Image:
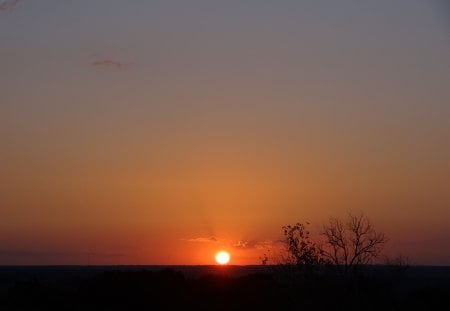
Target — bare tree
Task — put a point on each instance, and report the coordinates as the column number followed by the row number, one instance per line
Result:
column 351, row 243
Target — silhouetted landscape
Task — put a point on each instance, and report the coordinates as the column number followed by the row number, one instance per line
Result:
column 221, row 288
column 224, row 155
column 337, row 272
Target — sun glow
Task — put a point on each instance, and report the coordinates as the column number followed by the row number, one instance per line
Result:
column 223, row 258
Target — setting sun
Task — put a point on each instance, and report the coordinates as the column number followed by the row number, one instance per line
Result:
column 223, row 258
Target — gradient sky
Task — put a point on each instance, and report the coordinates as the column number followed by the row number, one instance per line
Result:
column 157, row 132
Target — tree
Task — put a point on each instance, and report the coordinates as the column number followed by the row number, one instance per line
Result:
column 351, row 243
column 301, row 250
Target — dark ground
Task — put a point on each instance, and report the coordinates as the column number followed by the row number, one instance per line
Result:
column 221, row 288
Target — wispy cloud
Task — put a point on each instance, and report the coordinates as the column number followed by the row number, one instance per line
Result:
column 109, row 63
column 7, row 253
column 203, row 240
column 257, row 244
column 241, row 244
column 246, row 244
column 8, row 5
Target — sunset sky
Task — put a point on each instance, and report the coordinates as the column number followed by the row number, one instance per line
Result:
column 159, row 132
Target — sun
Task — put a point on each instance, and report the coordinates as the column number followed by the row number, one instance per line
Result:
column 222, row 257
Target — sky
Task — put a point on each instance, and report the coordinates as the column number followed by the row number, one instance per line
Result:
column 159, row 132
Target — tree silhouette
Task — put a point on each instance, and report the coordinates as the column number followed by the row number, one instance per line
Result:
column 302, row 251
column 352, row 242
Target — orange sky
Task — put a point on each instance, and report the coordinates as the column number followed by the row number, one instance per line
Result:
column 159, row 133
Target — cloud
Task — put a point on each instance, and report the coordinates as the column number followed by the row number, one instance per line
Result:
column 246, row 244
column 7, row 253
column 241, row 244
column 203, row 240
column 108, row 63
column 255, row 244
column 8, row 5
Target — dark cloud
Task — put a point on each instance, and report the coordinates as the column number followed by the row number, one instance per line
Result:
column 8, row 5
column 108, row 63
